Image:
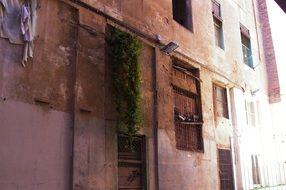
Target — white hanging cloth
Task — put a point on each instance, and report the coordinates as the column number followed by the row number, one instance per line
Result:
column 17, row 24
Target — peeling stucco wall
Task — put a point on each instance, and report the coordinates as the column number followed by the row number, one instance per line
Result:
column 70, row 71
column 36, row 106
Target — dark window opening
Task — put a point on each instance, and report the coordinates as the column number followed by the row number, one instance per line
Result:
column 255, row 169
column 182, row 13
column 187, row 110
column 218, row 29
column 225, row 169
column 246, row 46
column 220, row 102
column 131, row 163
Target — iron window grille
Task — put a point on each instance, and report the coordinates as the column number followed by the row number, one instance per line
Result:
column 225, row 169
column 188, row 137
column 187, row 113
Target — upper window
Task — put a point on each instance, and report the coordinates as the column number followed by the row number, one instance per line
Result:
column 216, row 10
column 250, row 113
column 246, row 46
column 187, row 110
column 220, row 101
column 182, row 13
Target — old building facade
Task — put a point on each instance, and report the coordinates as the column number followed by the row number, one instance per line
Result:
column 58, row 128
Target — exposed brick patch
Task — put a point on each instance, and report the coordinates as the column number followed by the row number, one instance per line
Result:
column 269, row 54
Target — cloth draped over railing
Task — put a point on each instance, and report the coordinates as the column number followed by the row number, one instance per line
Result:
column 17, row 24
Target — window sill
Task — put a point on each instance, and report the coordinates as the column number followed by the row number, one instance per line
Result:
column 130, row 161
column 220, row 49
column 190, row 122
column 248, row 68
column 190, row 29
column 191, row 150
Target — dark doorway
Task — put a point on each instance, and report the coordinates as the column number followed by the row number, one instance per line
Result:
column 131, row 164
column 225, row 169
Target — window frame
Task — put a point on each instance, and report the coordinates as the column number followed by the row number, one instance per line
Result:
column 188, row 16
column 218, row 24
column 186, row 128
column 250, row 108
column 225, row 113
column 216, row 14
column 246, row 46
column 222, row 164
column 218, row 33
column 128, row 158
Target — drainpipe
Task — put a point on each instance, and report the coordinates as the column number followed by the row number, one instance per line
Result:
column 156, row 115
column 74, row 107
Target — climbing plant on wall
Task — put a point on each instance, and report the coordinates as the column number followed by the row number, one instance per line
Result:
column 125, row 74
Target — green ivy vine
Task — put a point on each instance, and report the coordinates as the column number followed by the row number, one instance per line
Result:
column 125, row 78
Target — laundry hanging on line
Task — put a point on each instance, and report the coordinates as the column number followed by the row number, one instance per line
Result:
column 17, row 24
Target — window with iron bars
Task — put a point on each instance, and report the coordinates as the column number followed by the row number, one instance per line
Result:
column 246, row 46
column 225, row 169
column 187, row 113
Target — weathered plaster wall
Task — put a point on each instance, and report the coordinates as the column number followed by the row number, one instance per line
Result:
column 216, row 65
column 95, row 146
column 65, row 90
column 70, row 71
column 155, row 17
column 183, row 166
column 36, row 136
column 49, row 76
column 89, row 137
column 35, row 147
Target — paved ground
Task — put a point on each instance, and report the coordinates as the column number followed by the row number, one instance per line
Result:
column 283, row 187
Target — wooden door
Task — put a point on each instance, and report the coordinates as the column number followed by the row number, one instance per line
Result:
column 225, row 169
column 131, row 164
